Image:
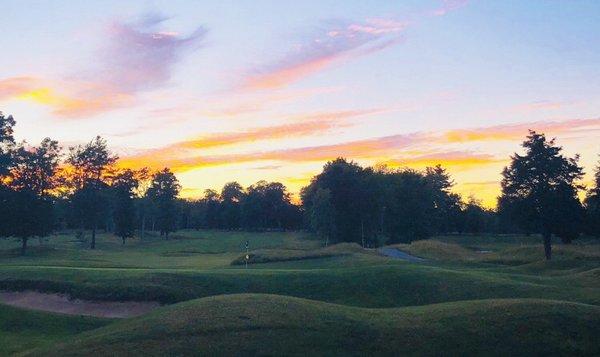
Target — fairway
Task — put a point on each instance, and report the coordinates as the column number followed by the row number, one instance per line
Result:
column 456, row 299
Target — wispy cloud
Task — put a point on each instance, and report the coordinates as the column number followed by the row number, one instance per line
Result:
column 302, row 125
column 517, row 131
column 414, row 149
column 448, row 6
column 455, row 160
column 333, row 42
column 136, row 57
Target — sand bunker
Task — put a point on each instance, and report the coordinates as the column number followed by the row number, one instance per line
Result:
column 61, row 303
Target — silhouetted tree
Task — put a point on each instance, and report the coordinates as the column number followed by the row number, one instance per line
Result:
column 163, row 192
column 212, row 202
column 124, row 184
column 447, row 204
column 343, row 179
column 7, row 141
column 475, row 217
column 230, row 211
column 89, row 164
column 321, row 215
column 410, row 206
column 33, row 175
column 542, row 186
column 592, row 206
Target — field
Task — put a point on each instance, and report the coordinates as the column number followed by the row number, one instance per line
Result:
column 472, row 295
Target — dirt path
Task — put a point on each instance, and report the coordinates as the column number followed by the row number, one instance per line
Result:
column 61, row 303
column 398, row 254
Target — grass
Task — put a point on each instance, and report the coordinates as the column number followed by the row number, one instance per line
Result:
column 293, row 266
column 285, row 255
column 22, row 330
column 278, row 325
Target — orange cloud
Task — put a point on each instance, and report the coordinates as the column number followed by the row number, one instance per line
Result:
column 395, row 150
column 517, row 131
column 456, row 160
column 177, row 154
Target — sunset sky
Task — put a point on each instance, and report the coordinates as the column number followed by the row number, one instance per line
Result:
column 249, row 90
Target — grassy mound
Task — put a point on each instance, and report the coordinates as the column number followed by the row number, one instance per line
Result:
column 276, row 325
column 437, row 250
column 21, row 330
column 501, row 254
column 284, row 255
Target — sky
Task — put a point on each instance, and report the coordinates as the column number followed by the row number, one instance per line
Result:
column 249, row 90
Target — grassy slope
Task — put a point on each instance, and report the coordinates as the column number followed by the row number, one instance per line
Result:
column 184, row 269
column 21, row 330
column 277, row 325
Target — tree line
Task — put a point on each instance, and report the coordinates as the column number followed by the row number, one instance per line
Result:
column 44, row 188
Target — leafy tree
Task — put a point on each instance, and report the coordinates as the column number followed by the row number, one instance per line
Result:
column 89, row 164
column 267, row 205
column 475, row 217
column 447, row 204
column 163, row 192
column 410, row 206
column 231, row 196
column 592, row 206
column 542, row 186
column 33, row 176
column 344, row 181
column 124, row 184
column 36, row 169
column 322, row 215
column 7, row 141
column 212, row 201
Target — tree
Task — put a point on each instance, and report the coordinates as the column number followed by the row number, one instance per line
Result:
column 592, row 206
column 7, row 141
column 212, row 201
column 33, row 176
column 124, row 183
column 322, row 215
column 344, row 181
column 267, row 205
column 474, row 216
column 231, row 196
column 410, row 206
column 446, row 203
column 89, row 164
column 163, row 192
column 542, row 186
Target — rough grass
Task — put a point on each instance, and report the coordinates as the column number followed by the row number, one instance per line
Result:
column 278, row 325
column 21, row 330
column 500, row 253
column 284, row 255
column 434, row 249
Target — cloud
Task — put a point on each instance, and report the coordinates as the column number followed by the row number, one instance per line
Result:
column 517, row 131
column 455, row 160
column 334, row 42
column 303, row 125
column 137, row 57
column 448, row 6
column 13, row 87
column 413, row 149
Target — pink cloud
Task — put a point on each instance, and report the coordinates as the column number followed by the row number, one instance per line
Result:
column 335, row 42
column 448, row 6
column 137, row 57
